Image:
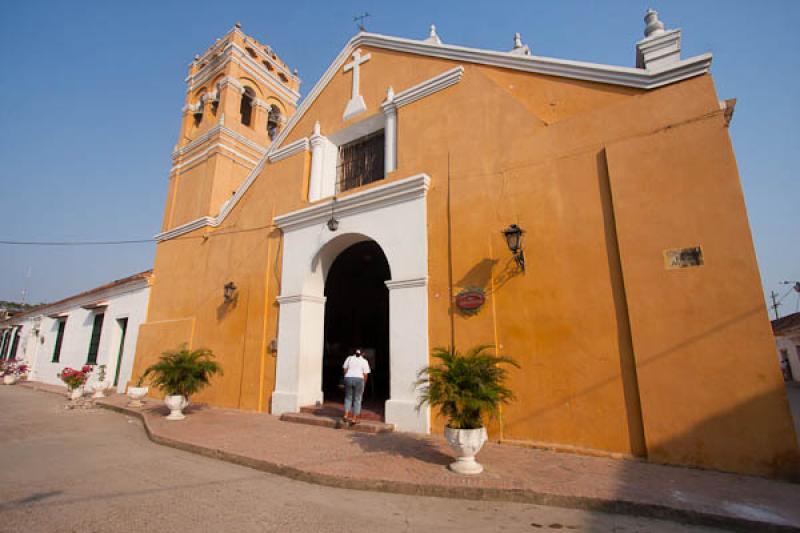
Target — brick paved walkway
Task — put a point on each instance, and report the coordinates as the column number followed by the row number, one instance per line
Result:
column 415, row 464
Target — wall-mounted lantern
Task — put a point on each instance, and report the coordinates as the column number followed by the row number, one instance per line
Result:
column 333, row 224
column 513, row 235
column 229, row 291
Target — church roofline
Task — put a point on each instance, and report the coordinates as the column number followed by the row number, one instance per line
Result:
column 640, row 78
column 627, row 76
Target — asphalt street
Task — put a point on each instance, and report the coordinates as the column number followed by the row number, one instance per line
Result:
column 96, row 471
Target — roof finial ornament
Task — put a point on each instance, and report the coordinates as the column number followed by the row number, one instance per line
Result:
column 660, row 47
column 390, row 94
column 653, row 26
column 238, row 25
column 316, row 131
column 432, row 36
column 519, row 48
column 360, row 21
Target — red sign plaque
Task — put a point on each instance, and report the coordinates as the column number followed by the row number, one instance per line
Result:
column 470, row 300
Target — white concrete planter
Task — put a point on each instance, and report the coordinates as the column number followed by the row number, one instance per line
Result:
column 466, row 443
column 76, row 394
column 9, row 379
column 99, row 388
column 176, row 403
column 136, row 394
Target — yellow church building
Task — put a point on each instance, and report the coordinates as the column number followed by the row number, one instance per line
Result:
column 373, row 214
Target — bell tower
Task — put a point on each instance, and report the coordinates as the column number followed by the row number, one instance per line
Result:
column 239, row 95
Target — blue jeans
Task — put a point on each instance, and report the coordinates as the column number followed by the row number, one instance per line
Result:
column 353, row 391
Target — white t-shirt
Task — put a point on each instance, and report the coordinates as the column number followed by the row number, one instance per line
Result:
column 356, row 367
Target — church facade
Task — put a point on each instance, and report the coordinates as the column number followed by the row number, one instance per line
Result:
column 372, row 214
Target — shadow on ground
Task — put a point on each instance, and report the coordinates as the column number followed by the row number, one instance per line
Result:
column 402, row 445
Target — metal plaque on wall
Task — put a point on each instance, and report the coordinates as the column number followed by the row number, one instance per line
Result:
column 683, row 257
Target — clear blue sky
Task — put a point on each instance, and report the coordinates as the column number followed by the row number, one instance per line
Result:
column 92, row 93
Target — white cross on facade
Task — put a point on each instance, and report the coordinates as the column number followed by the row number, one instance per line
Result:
column 356, row 104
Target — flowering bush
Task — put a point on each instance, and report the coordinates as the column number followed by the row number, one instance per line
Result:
column 75, row 378
column 12, row 367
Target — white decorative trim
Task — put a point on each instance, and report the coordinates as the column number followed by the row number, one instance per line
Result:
column 191, row 108
column 258, row 102
column 317, row 143
column 296, row 147
column 230, row 52
column 258, row 72
column 390, row 133
column 659, row 50
column 268, row 76
column 230, row 80
column 185, row 228
column 385, row 195
column 295, row 298
column 629, row 77
column 427, row 87
column 208, row 150
column 433, row 37
column 519, row 48
column 393, row 284
column 218, row 129
column 356, row 103
column 274, row 63
column 333, row 69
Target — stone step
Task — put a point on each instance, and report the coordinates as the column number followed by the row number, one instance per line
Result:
column 336, row 410
column 365, row 426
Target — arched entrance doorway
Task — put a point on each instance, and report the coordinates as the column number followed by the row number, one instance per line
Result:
column 392, row 215
column 357, row 316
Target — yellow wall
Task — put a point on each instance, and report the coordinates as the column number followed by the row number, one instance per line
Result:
column 617, row 354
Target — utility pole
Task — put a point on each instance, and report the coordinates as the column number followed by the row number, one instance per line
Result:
column 796, row 288
column 775, row 303
column 25, row 287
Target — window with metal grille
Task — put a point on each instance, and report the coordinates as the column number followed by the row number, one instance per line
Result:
column 94, row 343
column 360, row 162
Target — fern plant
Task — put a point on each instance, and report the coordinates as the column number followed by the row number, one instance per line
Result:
column 465, row 387
column 183, row 372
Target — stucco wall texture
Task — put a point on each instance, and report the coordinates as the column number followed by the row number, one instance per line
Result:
column 618, row 354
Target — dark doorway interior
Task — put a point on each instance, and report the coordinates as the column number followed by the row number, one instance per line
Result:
column 357, row 315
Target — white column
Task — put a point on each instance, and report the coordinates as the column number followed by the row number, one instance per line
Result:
column 317, row 151
column 408, row 352
column 390, row 133
column 301, row 328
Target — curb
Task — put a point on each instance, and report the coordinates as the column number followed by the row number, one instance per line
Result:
column 662, row 512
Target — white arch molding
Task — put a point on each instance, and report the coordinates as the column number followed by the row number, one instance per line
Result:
column 393, row 215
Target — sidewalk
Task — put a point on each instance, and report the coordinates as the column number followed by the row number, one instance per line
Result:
column 416, row 464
